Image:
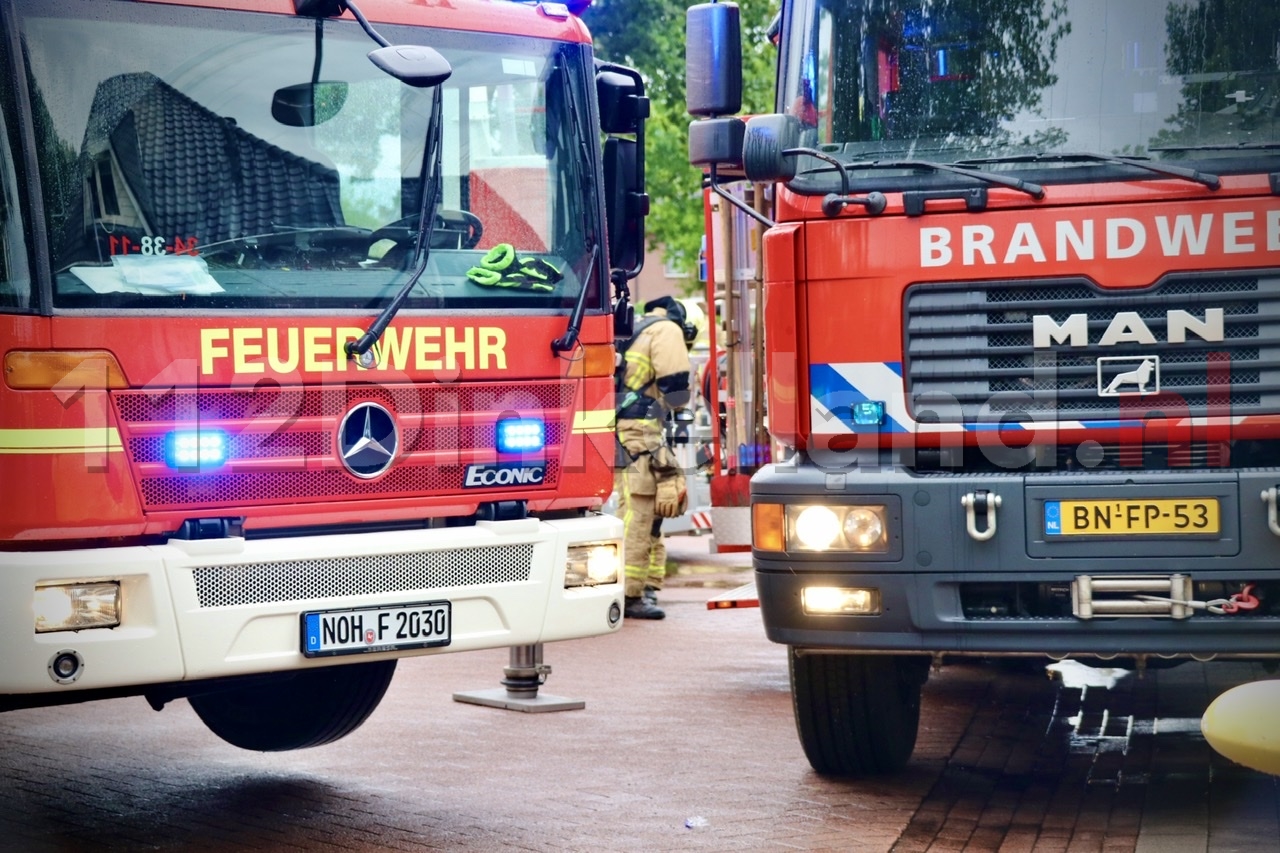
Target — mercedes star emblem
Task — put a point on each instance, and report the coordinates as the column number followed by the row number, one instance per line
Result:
column 368, row 440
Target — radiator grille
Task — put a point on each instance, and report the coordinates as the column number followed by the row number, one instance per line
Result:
column 970, row 353
column 282, row 440
column 294, row 580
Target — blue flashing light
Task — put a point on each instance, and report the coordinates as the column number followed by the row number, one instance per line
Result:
column 521, row 435
column 868, row 413
column 195, row 448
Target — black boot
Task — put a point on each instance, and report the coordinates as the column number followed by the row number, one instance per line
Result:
column 638, row 608
column 650, row 595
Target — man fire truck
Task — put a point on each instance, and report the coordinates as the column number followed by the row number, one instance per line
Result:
column 1021, row 275
column 307, row 331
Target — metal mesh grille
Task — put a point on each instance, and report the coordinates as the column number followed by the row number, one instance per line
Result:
column 432, row 418
column 970, row 353
column 294, row 580
column 300, row 486
column 269, row 400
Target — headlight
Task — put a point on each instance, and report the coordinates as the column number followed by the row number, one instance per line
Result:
column 593, row 564
column 74, row 607
column 815, row 528
column 860, row 528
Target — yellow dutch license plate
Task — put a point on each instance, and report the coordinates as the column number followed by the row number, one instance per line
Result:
column 1156, row 516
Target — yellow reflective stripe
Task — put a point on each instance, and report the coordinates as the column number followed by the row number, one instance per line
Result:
column 639, row 370
column 596, row 420
column 82, row 440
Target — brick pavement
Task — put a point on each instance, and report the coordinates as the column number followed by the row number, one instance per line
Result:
column 688, row 718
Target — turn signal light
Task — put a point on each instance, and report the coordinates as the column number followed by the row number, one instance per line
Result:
column 74, row 370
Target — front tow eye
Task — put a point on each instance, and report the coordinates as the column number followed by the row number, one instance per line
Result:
column 1269, row 498
column 978, row 503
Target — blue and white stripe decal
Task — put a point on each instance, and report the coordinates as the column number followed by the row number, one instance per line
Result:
column 835, row 388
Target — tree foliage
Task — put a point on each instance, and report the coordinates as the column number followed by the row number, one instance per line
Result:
column 1226, row 53
column 648, row 35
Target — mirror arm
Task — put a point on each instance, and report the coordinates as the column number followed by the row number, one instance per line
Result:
column 832, row 204
column 738, row 203
column 364, row 23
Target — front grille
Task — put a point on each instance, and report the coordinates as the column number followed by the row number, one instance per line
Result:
column 295, row 580
column 970, row 353
column 282, row 440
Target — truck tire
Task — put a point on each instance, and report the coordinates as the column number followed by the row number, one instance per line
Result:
column 857, row 715
column 296, row 710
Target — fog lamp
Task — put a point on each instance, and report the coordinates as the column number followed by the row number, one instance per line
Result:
column 75, row 607
column 593, row 564
column 832, row 600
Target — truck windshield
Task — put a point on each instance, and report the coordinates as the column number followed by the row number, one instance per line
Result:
column 1041, row 85
column 197, row 159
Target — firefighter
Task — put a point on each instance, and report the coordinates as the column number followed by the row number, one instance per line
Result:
column 652, row 380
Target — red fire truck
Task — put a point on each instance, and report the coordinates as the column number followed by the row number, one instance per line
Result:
column 307, row 322
column 1021, row 290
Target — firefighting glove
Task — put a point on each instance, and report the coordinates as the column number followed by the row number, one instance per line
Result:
column 671, row 499
column 501, row 268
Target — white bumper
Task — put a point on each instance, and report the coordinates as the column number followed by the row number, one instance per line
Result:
column 204, row 609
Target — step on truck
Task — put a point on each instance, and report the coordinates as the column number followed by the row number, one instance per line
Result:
column 1021, row 311
column 306, row 322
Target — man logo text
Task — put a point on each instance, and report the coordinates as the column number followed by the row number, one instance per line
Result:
column 1126, row 327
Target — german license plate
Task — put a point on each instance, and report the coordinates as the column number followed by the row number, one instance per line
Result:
column 376, row 629
column 1156, row 516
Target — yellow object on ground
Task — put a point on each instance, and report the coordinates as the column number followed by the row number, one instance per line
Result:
column 1243, row 725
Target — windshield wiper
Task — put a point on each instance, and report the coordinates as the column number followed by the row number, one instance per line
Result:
column 431, row 167
column 1210, row 181
column 1034, row 190
column 569, row 339
column 1239, row 146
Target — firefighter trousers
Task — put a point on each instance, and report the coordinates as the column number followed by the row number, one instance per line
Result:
column 644, row 554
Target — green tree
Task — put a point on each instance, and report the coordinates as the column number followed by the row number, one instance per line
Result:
column 648, row 35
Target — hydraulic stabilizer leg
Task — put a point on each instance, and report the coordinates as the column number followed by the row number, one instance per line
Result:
column 523, row 675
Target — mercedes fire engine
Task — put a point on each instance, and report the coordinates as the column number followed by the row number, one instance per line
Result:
column 1021, row 309
column 307, row 322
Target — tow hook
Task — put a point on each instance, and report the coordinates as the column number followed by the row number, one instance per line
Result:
column 984, row 503
column 1269, row 498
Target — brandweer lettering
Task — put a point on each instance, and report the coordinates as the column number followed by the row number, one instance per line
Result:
column 322, row 350
column 1186, row 234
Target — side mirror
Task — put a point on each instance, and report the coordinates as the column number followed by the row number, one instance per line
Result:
column 765, row 145
column 716, row 141
column 412, row 64
column 626, row 203
column 713, row 59
column 623, row 107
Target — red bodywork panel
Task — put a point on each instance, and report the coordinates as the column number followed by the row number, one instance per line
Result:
column 93, row 465
column 834, row 287
column 90, row 461
column 481, row 16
